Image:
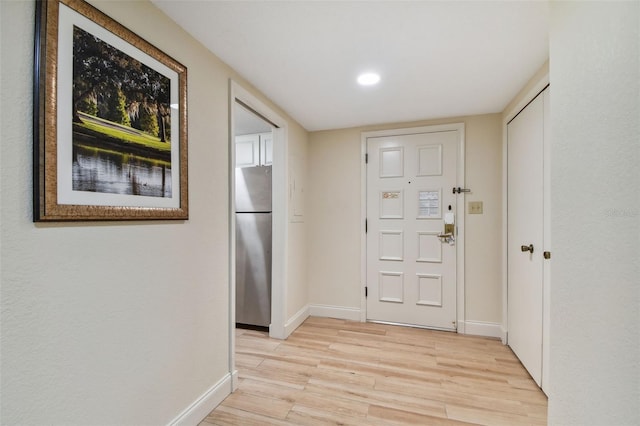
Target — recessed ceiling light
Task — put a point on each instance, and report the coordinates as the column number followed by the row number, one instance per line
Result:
column 368, row 79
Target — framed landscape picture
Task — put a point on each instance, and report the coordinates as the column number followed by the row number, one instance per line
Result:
column 110, row 120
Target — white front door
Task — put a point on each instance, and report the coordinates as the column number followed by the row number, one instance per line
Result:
column 525, row 148
column 411, row 268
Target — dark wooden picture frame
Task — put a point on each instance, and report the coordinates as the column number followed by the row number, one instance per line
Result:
column 110, row 120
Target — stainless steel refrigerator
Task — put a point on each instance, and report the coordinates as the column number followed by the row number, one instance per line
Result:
column 253, row 246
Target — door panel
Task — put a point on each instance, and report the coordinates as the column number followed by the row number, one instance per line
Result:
column 411, row 272
column 525, row 138
column 247, row 151
column 266, row 149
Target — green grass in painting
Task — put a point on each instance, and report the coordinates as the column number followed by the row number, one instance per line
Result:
column 123, row 134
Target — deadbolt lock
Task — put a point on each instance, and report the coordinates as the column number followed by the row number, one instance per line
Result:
column 547, row 255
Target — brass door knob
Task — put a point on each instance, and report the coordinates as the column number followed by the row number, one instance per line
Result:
column 528, row 248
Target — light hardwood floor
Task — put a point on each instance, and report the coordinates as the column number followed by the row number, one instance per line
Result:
column 336, row 372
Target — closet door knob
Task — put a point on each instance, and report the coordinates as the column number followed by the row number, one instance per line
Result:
column 528, row 248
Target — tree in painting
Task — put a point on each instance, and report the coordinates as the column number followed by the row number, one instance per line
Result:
column 121, row 121
column 117, row 86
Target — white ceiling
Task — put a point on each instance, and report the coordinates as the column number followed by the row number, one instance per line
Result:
column 247, row 123
column 436, row 58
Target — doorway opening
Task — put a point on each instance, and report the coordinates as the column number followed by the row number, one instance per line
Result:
column 253, row 146
column 266, row 153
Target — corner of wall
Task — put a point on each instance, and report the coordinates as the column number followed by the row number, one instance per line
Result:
column 536, row 83
column 206, row 403
column 295, row 321
column 338, row 312
column 485, row 329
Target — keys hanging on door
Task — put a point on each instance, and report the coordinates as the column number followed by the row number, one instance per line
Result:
column 449, row 228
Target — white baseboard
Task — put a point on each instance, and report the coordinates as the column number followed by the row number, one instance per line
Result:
column 295, row 321
column 486, row 329
column 339, row 312
column 202, row 406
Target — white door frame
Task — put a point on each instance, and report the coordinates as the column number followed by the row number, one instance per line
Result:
column 535, row 89
column 279, row 215
column 460, row 291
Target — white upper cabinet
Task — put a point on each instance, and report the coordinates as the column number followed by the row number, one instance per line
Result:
column 266, row 149
column 254, row 150
column 247, row 151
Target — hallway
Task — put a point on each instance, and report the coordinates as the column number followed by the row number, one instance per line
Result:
column 350, row 373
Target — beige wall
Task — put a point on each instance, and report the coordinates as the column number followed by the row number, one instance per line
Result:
column 595, row 213
column 335, row 216
column 118, row 323
column 297, row 294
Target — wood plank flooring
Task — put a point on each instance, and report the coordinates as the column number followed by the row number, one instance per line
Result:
column 336, row 372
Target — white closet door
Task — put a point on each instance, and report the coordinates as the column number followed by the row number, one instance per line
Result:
column 525, row 147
